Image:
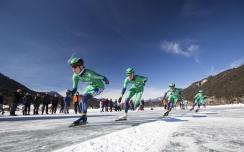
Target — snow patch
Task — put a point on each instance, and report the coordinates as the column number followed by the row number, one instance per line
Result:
column 146, row 137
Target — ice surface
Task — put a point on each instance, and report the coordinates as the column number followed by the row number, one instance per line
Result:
column 221, row 128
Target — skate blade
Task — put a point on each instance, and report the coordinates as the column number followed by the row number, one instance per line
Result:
column 78, row 125
column 120, row 119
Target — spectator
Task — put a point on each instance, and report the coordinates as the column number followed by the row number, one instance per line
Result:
column 67, row 101
column 1, row 103
column 111, row 105
column 142, row 104
column 27, row 104
column 76, row 101
column 100, row 105
column 115, row 105
column 106, row 104
column 103, row 104
column 61, row 105
column 17, row 99
column 45, row 102
column 119, row 106
column 36, row 104
column 55, row 104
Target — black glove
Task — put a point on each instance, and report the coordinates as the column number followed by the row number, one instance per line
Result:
column 120, row 99
column 105, row 80
column 72, row 92
column 145, row 82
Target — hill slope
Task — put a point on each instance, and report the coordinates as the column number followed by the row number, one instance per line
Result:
column 228, row 84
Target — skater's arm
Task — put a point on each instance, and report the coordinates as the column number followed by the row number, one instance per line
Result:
column 164, row 96
column 126, row 82
column 94, row 75
column 75, row 84
column 123, row 91
column 142, row 79
column 145, row 80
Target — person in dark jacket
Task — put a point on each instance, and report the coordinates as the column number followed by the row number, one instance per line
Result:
column 111, row 104
column 17, row 99
column 54, row 104
column 106, row 105
column 45, row 102
column 27, row 104
column 36, row 104
column 103, row 104
column 1, row 103
column 67, row 101
column 61, row 105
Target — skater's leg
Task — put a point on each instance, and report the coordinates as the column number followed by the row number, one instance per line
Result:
column 198, row 107
column 193, row 106
column 138, row 100
column 83, row 109
column 169, row 107
column 130, row 94
column 89, row 93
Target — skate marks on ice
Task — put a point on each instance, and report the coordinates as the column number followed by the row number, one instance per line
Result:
column 45, row 117
column 209, row 134
column 196, row 114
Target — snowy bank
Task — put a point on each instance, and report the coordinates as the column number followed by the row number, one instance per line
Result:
column 146, row 137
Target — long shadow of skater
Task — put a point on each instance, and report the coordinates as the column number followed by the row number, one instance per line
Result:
column 194, row 116
column 172, row 120
column 119, row 123
column 46, row 117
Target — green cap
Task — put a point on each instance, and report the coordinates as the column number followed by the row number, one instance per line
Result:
column 171, row 85
column 130, row 71
column 76, row 61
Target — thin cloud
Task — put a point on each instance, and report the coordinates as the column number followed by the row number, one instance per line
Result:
column 186, row 49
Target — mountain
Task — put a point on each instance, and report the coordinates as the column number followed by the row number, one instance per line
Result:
column 224, row 88
column 8, row 85
column 53, row 93
column 228, row 85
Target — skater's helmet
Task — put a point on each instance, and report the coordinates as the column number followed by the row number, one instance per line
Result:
column 171, row 85
column 76, row 61
column 129, row 71
column 200, row 91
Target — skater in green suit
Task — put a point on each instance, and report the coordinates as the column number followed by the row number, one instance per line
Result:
column 173, row 95
column 137, row 88
column 198, row 100
column 95, row 85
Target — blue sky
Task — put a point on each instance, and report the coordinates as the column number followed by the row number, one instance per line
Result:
column 167, row 40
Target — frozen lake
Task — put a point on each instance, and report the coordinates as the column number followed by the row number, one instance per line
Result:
column 219, row 128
